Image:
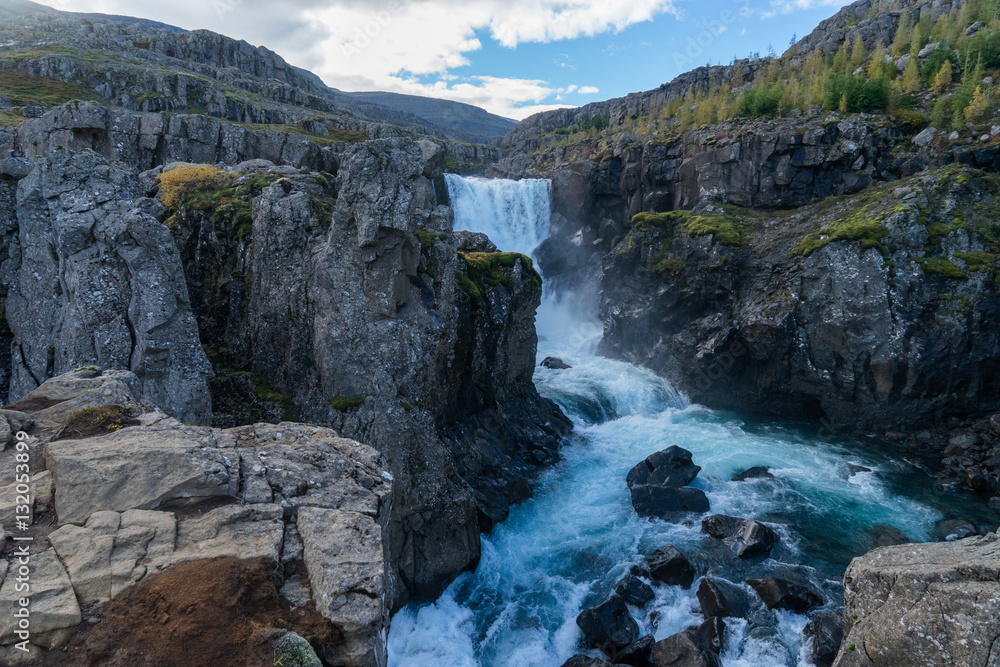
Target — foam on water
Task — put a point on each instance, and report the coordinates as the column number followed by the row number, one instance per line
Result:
column 564, row 549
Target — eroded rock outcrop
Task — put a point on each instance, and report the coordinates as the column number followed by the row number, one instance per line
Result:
column 100, row 283
column 924, row 604
column 128, row 505
column 872, row 310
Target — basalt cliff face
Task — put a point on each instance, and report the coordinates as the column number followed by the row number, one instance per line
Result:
column 339, row 298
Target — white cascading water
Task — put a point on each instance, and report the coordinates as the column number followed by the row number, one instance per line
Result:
column 514, row 214
column 564, row 550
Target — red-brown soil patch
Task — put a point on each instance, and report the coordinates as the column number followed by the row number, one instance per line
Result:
column 214, row 612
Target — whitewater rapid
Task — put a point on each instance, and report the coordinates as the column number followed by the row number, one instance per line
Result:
column 565, row 549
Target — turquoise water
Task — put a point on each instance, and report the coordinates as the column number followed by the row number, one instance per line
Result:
column 564, row 549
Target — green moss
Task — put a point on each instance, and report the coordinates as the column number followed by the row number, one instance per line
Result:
column 724, row 229
column 855, row 229
column 489, row 269
column 335, row 136
column 978, row 262
column 469, row 287
column 940, row 266
column 265, row 392
column 22, row 89
column 428, row 238
column 663, row 264
column 344, row 404
column 98, row 421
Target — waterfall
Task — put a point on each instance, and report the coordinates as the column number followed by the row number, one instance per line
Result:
column 564, row 549
column 514, row 214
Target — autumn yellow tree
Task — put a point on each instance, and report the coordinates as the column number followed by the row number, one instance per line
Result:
column 859, row 54
column 904, row 33
column 911, row 77
column 943, row 78
column 978, row 107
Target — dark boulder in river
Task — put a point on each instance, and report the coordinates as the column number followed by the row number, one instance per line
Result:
column 826, row 632
column 671, row 567
column 684, row 649
column 634, row 590
column 608, row 627
column 670, row 468
column 784, row 594
column 658, row 485
column 757, row 472
column 555, row 364
column 666, row 503
column 719, row 597
column 748, row 537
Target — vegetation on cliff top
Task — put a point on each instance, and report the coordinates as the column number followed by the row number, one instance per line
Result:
column 490, row 269
column 952, row 85
column 199, row 187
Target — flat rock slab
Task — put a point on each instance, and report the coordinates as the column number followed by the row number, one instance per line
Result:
column 924, row 604
column 150, row 466
column 53, row 603
column 343, row 555
column 115, row 551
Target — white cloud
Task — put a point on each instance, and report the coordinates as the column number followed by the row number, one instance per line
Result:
column 589, row 90
column 789, row 6
column 388, row 44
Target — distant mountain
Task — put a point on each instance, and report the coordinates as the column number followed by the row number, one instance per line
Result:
column 143, row 65
column 462, row 121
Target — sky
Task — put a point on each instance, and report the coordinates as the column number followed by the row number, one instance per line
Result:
column 512, row 57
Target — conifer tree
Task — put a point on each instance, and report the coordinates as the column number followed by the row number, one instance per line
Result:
column 859, row 54
column 976, row 111
column 943, row 78
column 904, row 33
column 911, row 77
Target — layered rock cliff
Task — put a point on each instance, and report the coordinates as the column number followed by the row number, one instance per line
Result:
column 268, row 291
column 204, row 535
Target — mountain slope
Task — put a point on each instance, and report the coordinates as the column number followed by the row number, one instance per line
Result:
column 142, row 65
column 463, row 121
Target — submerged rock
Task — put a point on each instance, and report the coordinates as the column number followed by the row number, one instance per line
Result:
column 671, row 567
column 784, row 594
column 756, row 472
column 584, row 661
column 949, row 530
column 555, row 364
column 608, row 627
column 884, row 535
column 826, row 632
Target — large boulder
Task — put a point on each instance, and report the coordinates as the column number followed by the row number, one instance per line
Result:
column 747, row 537
column 825, row 633
column 101, row 283
column 671, row 567
column 150, row 466
column 784, row 594
column 609, row 626
column 719, row 597
column 684, row 649
column 923, row 604
column 633, row 588
column 670, row 468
